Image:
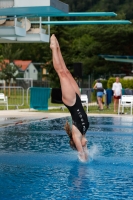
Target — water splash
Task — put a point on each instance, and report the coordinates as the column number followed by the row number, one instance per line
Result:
column 93, row 151
column 89, row 154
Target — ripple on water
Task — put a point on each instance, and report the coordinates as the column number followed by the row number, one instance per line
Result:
column 36, row 161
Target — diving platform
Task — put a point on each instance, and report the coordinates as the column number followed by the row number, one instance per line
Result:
column 21, row 20
column 13, row 19
column 32, row 8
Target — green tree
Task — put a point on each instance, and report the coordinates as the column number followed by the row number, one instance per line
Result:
column 8, row 72
column 85, row 43
column 8, row 68
column 8, row 53
column 1, row 58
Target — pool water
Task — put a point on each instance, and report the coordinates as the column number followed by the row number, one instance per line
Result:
column 37, row 163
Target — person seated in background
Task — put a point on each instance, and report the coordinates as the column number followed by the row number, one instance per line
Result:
column 99, row 87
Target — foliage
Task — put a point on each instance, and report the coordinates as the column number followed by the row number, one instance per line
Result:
column 106, row 39
column 100, row 44
column 126, row 83
column 110, row 82
column 1, row 58
column 85, row 43
column 104, row 82
column 9, row 54
column 8, row 71
column 118, row 6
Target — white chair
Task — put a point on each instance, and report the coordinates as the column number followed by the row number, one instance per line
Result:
column 3, row 100
column 84, row 100
column 125, row 101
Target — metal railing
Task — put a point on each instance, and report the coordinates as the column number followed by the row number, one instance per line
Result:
column 15, row 95
column 28, row 97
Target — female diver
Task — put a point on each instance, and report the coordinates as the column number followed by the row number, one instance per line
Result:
column 71, row 99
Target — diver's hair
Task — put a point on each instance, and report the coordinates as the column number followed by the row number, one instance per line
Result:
column 69, row 132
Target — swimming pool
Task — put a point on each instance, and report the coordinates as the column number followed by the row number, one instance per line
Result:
column 36, row 161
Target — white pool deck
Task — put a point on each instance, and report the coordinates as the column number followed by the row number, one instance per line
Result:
column 13, row 117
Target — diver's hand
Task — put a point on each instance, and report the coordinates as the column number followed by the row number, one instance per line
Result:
column 83, row 157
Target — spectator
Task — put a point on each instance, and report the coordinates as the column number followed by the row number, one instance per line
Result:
column 99, row 87
column 117, row 92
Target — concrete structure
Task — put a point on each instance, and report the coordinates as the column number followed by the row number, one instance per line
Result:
column 20, row 29
column 32, row 8
column 16, row 11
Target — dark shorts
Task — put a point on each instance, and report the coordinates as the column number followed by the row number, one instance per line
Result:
column 117, row 97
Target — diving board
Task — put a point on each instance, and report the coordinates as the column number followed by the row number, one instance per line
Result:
column 118, row 58
column 83, row 14
column 70, row 14
column 83, row 22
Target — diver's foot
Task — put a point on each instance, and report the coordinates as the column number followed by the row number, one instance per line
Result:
column 53, row 43
column 57, row 43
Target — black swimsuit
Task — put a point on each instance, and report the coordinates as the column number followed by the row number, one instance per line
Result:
column 79, row 117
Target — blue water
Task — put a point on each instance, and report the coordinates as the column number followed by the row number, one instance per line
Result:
column 36, row 162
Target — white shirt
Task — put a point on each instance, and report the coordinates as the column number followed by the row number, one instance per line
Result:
column 99, row 85
column 117, row 87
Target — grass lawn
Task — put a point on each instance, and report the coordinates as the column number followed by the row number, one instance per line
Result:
column 92, row 109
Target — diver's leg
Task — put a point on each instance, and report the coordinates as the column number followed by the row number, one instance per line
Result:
column 69, row 75
column 115, row 102
column 68, row 92
column 100, row 102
